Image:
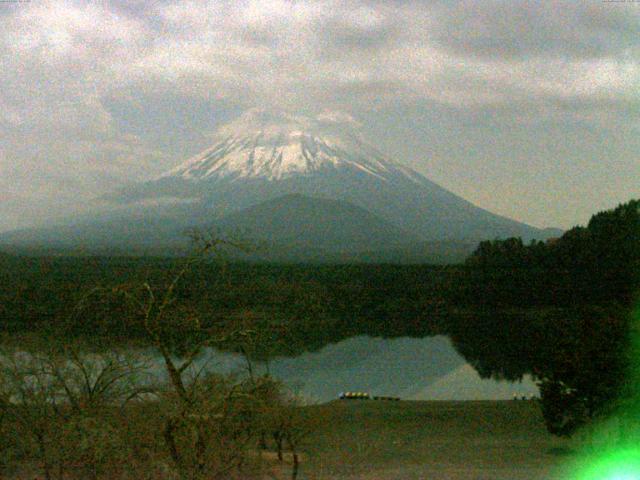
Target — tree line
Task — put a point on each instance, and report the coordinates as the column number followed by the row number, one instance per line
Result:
column 561, row 310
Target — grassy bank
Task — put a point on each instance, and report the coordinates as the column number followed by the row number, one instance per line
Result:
column 434, row 440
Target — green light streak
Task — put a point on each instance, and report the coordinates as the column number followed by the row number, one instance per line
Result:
column 619, row 460
column 614, row 465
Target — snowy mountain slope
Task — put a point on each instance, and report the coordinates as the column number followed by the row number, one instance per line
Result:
column 285, row 154
column 257, row 161
column 263, row 157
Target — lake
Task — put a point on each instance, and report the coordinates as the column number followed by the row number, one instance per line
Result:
column 411, row 368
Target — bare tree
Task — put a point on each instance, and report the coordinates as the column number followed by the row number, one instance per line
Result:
column 56, row 400
column 206, row 416
column 69, row 402
column 291, row 426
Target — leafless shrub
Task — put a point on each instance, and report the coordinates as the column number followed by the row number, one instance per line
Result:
column 57, row 404
column 71, row 411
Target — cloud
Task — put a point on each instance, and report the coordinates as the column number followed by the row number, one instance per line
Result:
column 275, row 123
column 336, row 117
column 269, row 53
column 552, row 29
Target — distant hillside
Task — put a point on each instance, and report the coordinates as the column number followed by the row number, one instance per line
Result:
column 302, row 221
column 112, row 233
column 289, row 229
column 292, row 228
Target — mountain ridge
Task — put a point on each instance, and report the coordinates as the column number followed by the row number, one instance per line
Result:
column 295, row 219
column 252, row 166
column 279, row 158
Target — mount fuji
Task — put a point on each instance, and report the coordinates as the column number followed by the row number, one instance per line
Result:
column 304, row 185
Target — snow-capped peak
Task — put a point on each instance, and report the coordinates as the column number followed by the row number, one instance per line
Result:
column 277, row 148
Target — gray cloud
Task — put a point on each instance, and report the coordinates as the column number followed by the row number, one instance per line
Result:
column 524, row 29
column 98, row 93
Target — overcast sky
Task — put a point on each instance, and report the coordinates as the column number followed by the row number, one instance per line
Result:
column 528, row 109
